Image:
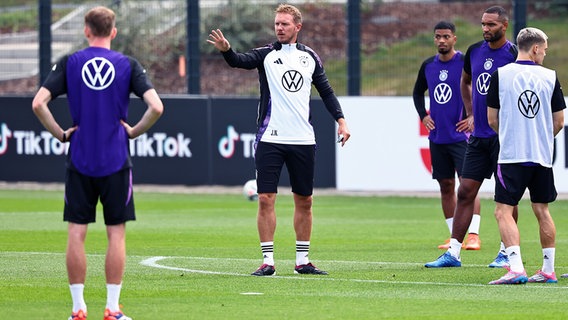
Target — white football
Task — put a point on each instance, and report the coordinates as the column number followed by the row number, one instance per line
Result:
column 249, row 190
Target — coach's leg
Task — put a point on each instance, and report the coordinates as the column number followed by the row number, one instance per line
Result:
column 303, row 217
column 266, row 218
column 303, row 228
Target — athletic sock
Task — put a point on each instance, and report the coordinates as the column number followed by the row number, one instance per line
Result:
column 455, row 248
column 475, row 222
column 515, row 260
column 450, row 223
column 302, row 250
column 548, row 255
column 267, row 252
column 502, row 248
column 113, row 295
column 77, row 296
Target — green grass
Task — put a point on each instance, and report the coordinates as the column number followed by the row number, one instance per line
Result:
column 373, row 247
column 392, row 70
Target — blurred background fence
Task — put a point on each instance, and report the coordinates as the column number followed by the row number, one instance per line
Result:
column 396, row 36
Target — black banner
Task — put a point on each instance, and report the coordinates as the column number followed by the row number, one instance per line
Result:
column 197, row 141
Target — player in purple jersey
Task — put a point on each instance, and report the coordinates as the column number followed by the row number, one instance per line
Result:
column 480, row 161
column 98, row 83
column 440, row 75
column 525, row 106
column 287, row 71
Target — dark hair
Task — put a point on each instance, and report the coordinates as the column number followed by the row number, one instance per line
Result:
column 445, row 25
column 500, row 11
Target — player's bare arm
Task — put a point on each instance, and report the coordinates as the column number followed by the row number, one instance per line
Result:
column 558, row 121
column 152, row 114
column 493, row 118
column 41, row 110
column 467, row 124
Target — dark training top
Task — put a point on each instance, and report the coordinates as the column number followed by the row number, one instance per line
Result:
column 480, row 62
column 442, row 80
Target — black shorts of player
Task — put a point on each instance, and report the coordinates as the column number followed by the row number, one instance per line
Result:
column 447, row 159
column 83, row 192
column 480, row 158
column 513, row 179
column 299, row 159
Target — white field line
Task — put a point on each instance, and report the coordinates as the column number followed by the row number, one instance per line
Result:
column 152, row 262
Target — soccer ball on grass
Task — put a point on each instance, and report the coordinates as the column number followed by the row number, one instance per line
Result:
column 249, row 190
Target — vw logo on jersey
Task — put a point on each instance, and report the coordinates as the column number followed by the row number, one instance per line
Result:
column 482, row 83
column 529, row 104
column 292, row 80
column 442, row 93
column 98, row 73
column 443, row 75
column 488, row 64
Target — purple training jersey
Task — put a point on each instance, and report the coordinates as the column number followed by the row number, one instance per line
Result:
column 442, row 80
column 480, row 62
column 98, row 83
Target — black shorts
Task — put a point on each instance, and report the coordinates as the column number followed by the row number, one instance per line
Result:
column 480, row 158
column 299, row 159
column 447, row 159
column 513, row 179
column 82, row 194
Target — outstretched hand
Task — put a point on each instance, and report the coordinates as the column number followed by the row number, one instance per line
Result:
column 217, row 39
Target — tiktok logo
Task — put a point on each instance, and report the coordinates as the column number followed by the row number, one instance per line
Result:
column 5, row 133
column 228, row 144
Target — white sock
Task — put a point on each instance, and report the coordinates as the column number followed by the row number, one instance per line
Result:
column 502, row 248
column 475, row 222
column 515, row 260
column 267, row 252
column 113, row 295
column 548, row 260
column 450, row 223
column 77, row 296
column 455, row 248
column 302, row 250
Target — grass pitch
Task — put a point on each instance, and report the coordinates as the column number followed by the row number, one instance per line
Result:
column 190, row 256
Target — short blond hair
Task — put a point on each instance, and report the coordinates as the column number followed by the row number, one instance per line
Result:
column 528, row 37
column 290, row 9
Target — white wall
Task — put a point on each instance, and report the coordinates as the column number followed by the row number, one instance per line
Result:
column 383, row 153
